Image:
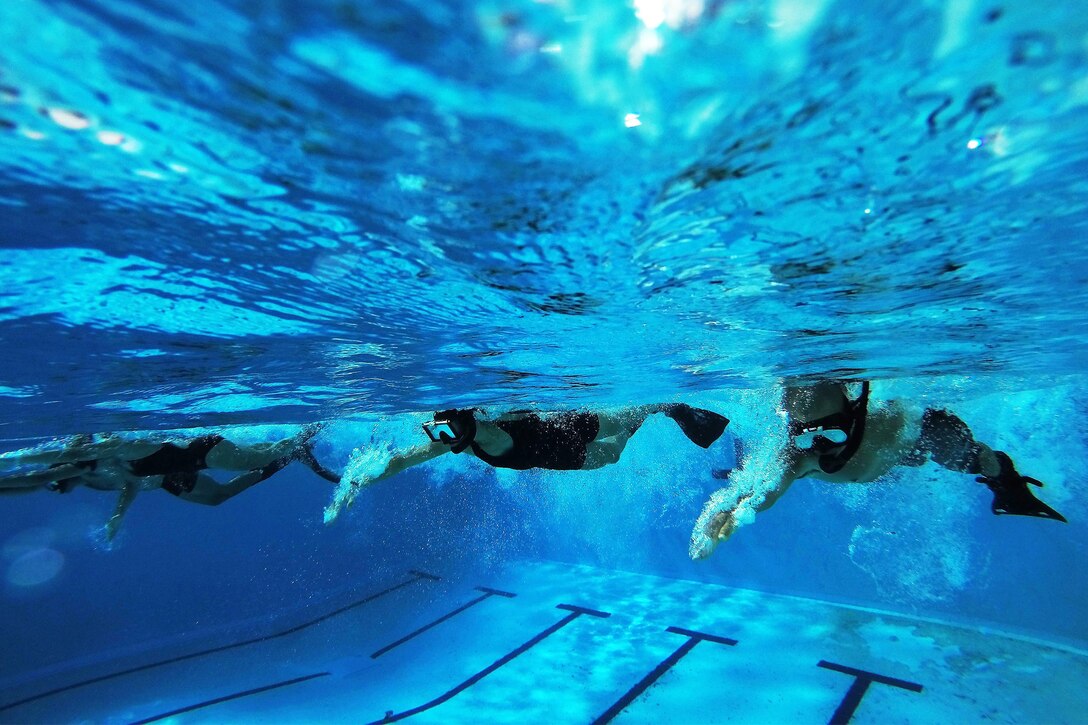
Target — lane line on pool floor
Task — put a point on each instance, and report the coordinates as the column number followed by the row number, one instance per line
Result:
column 417, row 577
column 228, row 698
column 487, row 594
column 862, row 680
column 575, row 613
column 666, row 664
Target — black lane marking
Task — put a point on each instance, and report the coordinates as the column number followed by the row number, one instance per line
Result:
column 575, row 612
column 487, row 594
column 424, row 575
column 417, row 576
column 694, row 638
column 227, row 698
column 861, row 682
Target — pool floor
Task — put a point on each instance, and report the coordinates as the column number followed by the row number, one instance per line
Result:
column 545, row 642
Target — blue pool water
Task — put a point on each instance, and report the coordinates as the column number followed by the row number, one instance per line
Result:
column 243, row 215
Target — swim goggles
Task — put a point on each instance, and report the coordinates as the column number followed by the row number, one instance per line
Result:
column 455, row 428
column 820, row 438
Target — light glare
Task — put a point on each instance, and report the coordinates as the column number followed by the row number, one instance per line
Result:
column 111, row 138
column 72, row 120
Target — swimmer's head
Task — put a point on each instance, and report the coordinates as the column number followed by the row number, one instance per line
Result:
column 457, row 428
column 815, row 401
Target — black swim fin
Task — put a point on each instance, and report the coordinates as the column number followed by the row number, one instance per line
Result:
column 702, row 427
column 1012, row 495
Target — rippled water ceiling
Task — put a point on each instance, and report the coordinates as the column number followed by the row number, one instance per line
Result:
column 289, row 211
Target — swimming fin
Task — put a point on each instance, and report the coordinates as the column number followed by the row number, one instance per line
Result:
column 702, row 427
column 1012, row 495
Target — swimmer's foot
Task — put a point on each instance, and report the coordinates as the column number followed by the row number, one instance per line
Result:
column 702, row 427
column 308, row 431
column 1012, row 495
column 305, row 454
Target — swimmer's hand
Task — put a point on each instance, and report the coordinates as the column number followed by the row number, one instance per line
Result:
column 721, row 516
column 112, row 527
column 365, row 467
column 346, row 491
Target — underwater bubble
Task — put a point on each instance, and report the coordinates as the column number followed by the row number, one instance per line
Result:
column 35, row 567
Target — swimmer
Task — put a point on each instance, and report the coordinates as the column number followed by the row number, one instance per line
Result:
column 836, row 439
column 108, row 462
column 567, row 441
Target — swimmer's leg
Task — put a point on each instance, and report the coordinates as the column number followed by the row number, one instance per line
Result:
column 305, row 455
column 209, row 492
column 229, row 456
column 604, row 452
column 625, row 422
column 702, row 427
column 613, row 432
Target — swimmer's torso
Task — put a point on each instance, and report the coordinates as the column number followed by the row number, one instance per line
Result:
column 556, row 442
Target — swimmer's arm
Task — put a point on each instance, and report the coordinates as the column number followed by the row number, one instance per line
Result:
column 774, row 493
column 40, row 478
column 128, row 495
column 355, row 480
column 718, row 520
column 81, row 448
column 209, row 492
column 75, row 449
column 411, row 457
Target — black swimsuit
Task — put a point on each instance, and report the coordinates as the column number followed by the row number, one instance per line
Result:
column 556, row 442
column 178, row 466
